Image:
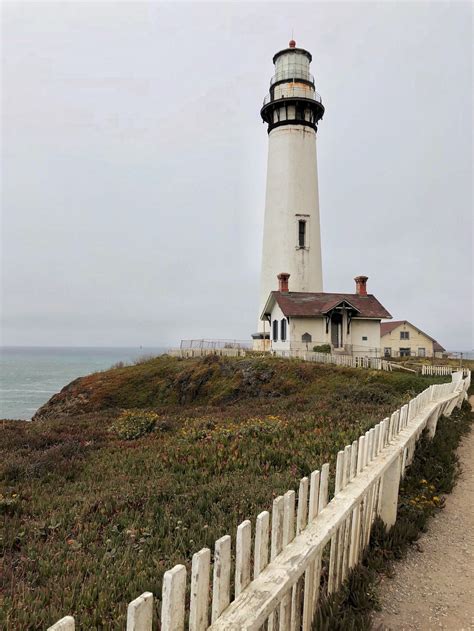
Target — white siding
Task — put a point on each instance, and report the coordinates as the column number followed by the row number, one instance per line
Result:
column 277, row 314
column 316, row 327
column 365, row 328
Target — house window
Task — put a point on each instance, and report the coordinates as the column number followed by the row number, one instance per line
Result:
column 301, row 234
column 283, row 330
column 421, row 352
column 404, row 335
column 275, row 330
column 364, row 338
column 387, row 352
column 404, row 352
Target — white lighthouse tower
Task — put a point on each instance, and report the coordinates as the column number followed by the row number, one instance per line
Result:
column 291, row 236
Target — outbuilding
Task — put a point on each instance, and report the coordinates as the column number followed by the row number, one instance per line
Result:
column 349, row 323
column 400, row 338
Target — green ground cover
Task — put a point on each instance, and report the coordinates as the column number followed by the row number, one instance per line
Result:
column 91, row 520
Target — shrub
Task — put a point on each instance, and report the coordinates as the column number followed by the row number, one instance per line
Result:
column 143, row 359
column 133, row 424
column 117, row 365
column 322, row 348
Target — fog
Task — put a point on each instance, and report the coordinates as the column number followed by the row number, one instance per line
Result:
column 134, row 164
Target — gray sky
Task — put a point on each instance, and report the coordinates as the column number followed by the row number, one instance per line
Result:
column 134, row 164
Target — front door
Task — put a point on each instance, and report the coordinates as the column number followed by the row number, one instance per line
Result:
column 336, row 330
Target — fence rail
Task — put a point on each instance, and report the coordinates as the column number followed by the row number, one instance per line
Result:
column 289, row 544
column 214, row 344
column 188, row 353
column 441, row 370
column 350, row 361
column 376, row 363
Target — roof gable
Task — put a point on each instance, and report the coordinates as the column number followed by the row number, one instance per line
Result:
column 388, row 327
column 308, row 304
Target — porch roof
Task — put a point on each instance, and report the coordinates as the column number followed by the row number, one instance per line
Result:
column 308, row 304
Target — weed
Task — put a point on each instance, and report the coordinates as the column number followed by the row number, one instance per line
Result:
column 133, row 424
column 322, row 348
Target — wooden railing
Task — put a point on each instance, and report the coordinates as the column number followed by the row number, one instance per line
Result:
column 376, row 363
column 350, row 361
column 440, row 370
column 188, row 353
column 279, row 584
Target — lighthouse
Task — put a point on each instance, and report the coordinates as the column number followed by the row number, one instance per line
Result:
column 291, row 234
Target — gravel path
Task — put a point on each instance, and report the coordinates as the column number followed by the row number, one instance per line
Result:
column 433, row 586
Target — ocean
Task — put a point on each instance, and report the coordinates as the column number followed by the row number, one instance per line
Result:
column 29, row 376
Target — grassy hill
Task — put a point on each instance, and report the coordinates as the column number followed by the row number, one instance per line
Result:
column 92, row 520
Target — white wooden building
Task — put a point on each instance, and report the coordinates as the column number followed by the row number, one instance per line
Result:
column 349, row 323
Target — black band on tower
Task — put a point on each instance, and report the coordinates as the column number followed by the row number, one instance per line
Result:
column 307, row 112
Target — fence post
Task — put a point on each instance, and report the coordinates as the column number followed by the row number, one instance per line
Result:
column 173, row 599
column 433, row 422
column 262, row 538
column 198, row 613
column 390, row 487
column 140, row 613
column 65, row 624
column 221, row 580
column 242, row 556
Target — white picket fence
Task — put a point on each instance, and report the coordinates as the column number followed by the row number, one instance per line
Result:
column 375, row 363
column 288, row 545
column 441, row 370
column 188, row 353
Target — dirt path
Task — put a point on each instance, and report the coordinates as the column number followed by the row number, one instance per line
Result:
column 433, row 587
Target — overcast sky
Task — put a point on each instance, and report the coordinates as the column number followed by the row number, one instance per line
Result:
column 134, row 164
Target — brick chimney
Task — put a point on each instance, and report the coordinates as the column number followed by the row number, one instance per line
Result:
column 361, row 285
column 283, row 282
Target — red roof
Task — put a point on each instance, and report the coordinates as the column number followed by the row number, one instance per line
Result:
column 307, row 305
column 388, row 327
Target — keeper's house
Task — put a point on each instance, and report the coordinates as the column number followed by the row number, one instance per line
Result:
column 400, row 338
column 349, row 323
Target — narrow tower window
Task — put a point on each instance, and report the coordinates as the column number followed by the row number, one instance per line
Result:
column 301, row 234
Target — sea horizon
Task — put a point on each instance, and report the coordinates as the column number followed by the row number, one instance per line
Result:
column 31, row 375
